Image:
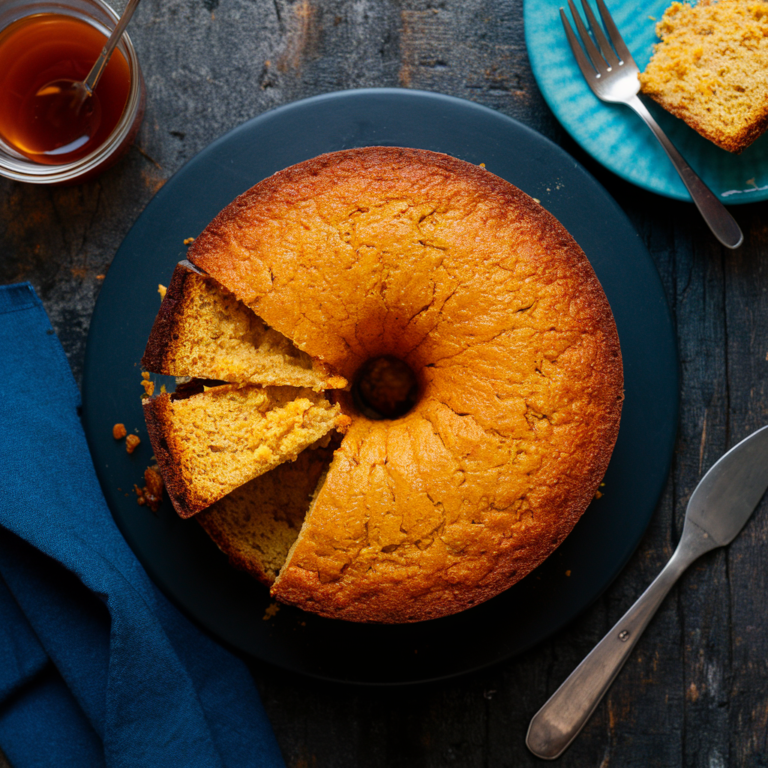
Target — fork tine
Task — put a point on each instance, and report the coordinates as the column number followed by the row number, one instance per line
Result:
column 598, row 62
column 599, row 35
column 615, row 35
column 586, row 68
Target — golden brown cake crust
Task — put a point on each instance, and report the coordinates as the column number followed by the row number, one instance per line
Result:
column 417, row 255
column 158, row 353
column 157, row 414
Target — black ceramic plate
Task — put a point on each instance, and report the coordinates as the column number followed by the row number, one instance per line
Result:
column 191, row 570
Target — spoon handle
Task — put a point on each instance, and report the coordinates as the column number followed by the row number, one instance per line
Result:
column 100, row 64
column 560, row 720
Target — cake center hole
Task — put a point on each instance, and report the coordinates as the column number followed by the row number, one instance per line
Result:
column 385, row 388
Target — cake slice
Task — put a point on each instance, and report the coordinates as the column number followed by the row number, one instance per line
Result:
column 711, row 69
column 203, row 331
column 256, row 524
column 212, row 442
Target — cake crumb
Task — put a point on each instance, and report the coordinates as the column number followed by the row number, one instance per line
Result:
column 152, row 493
column 119, row 431
column 189, row 240
column 272, row 609
column 132, row 443
column 149, row 386
column 161, row 289
column 568, row 573
column 263, row 453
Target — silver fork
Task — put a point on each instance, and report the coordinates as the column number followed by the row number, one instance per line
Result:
column 612, row 76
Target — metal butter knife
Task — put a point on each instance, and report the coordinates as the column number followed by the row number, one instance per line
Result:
column 718, row 509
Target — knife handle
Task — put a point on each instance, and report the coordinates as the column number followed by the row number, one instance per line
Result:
column 560, row 720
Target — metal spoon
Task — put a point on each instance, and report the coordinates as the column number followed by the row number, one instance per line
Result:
column 718, row 509
column 71, row 105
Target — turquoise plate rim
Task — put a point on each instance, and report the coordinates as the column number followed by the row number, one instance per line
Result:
column 614, row 135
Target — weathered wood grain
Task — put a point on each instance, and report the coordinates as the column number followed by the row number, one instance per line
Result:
column 694, row 693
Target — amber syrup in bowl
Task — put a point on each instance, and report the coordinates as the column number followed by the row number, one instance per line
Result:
column 53, row 44
column 42, row 49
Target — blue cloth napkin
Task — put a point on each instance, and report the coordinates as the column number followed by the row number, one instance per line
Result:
column 96, row 666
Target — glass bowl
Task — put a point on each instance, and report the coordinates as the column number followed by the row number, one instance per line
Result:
column 98, row 14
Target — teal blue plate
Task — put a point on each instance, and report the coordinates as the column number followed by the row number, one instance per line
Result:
column 614, row 135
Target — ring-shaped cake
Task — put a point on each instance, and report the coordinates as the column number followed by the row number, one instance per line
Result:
column 417, row 257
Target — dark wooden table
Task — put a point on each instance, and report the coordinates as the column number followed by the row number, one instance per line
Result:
column 695, row 692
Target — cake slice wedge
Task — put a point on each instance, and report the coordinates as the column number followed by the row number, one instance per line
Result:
column 210, row 443
column 203, row 331
column 257, row 524
column 709, row 69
